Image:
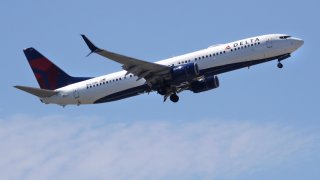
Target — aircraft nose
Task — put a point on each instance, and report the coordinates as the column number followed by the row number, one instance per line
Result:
column 297, row 42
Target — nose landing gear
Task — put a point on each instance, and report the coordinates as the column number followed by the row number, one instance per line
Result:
column 280, row 65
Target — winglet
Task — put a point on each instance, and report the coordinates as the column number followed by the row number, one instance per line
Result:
column 91, row 46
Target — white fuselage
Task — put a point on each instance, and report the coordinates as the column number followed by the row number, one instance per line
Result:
column 246, row 50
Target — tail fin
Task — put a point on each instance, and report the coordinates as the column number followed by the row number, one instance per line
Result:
column 48, row 75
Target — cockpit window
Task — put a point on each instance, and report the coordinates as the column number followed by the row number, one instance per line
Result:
column 284, row 37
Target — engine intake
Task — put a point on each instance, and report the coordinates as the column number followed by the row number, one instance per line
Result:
column 184, row 73
column 208, row 83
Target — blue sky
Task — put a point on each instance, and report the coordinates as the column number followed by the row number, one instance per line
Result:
column 261, row 123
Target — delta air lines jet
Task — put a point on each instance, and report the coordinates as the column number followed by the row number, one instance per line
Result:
column 196, row 71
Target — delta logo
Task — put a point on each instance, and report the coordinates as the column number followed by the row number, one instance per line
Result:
column 241, row 43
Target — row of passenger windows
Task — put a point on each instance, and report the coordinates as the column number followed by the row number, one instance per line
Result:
column 217, row 54
column 107, row 82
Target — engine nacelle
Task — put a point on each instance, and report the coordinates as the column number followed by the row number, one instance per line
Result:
column 184, row 73
column 208, row 83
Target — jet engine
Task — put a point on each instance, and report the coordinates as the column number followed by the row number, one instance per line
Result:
column 184, row 73
column 208, row 83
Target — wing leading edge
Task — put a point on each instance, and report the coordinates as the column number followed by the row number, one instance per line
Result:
column 151, row 72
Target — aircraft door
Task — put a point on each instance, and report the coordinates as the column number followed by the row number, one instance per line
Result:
column 269, row 43
column 76, row 94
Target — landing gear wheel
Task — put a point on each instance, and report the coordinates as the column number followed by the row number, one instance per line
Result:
column 174, row 98
column 280, row 65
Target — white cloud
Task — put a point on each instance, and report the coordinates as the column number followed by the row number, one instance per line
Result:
column 60, row 147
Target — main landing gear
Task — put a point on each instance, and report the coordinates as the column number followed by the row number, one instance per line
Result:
column 169, row 93
column 174, row 97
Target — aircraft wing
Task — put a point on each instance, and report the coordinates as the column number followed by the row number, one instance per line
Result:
column 152, row 72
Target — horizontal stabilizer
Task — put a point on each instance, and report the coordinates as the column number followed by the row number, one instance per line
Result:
column 41, row 93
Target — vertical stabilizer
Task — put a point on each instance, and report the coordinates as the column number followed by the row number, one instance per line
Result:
column 48, row 75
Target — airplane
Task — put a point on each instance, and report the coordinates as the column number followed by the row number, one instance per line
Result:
column 196, row 71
